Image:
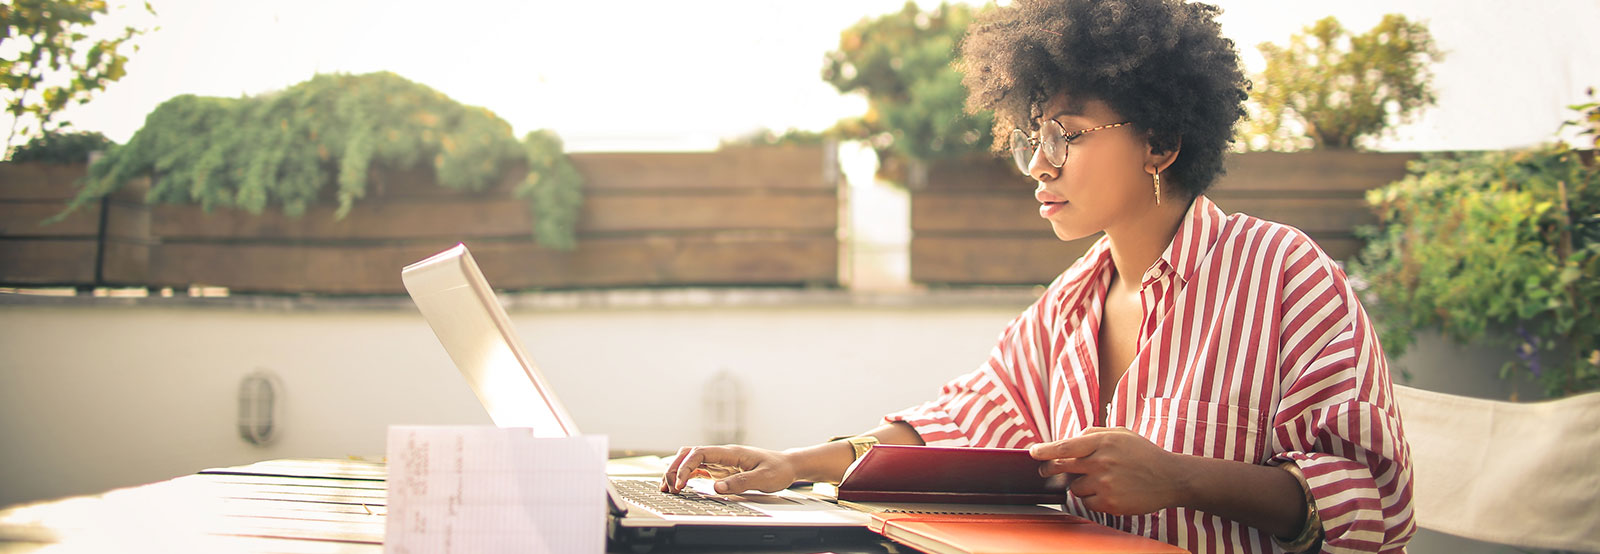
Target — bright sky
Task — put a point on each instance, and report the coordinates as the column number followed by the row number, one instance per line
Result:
column 650, row 75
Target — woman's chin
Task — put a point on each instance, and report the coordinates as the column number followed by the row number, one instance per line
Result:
column 1068, row 233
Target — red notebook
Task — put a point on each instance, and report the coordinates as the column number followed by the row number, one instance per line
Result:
column 944, row 475
column 1010, row 534
column 892, row 473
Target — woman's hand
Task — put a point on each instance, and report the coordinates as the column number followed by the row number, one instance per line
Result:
column 740, row 468
column 1115, row 471
column 735, row 468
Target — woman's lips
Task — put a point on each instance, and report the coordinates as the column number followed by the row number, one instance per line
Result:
column 1049, row 203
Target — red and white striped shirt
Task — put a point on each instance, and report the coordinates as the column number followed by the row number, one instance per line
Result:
column 1253, row 348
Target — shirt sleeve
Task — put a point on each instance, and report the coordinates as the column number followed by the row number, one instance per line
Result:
column 1337, row 419
column 1001, row 404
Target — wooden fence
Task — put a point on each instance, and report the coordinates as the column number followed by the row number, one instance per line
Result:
column 978, row 223
column 747, row 216
column 742, row 216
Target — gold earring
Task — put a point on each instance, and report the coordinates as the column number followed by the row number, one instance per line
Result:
column 1158, row 188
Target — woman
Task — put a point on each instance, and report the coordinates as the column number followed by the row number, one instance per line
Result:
column 1209, row 380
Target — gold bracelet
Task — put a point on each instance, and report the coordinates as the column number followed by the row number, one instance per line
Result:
column 859, row 445
column 1310, row 536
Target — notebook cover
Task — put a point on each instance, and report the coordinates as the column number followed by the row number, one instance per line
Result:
column 957, row 475
column 1010, row 534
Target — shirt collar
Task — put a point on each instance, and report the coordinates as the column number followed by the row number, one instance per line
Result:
column 1201, row 226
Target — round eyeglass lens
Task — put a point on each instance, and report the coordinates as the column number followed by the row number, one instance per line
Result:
column 1021, row 151
column 1053, row 140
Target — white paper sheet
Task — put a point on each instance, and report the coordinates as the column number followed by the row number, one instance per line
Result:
column 487, row 489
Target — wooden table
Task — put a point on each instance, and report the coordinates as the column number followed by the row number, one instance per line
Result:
column 279, row 506
column 294, row 505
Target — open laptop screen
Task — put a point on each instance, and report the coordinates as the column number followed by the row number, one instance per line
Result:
column 458, row 303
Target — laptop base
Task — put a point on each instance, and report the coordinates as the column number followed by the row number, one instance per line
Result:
column 646, row 539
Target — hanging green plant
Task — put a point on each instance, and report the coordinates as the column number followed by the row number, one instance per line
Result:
column 283, row 148
column 1496, row 247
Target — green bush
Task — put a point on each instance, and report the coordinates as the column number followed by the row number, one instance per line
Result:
column 283, row 148
column 62, row 148
column 1497, row 247
column 769, row 137
column 554, row 188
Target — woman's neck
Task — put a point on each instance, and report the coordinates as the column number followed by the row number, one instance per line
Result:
column 1137, row 243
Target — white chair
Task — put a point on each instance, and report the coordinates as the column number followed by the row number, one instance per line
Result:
column 1520, row 474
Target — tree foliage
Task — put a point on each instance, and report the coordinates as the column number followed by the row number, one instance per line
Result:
column 1337, row 87
column 1498, row 247
column 1588, row 121
column 903, row 63
column 58, row 60
column 285, row 147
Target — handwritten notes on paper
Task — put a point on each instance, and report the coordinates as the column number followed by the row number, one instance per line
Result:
column 487, row 489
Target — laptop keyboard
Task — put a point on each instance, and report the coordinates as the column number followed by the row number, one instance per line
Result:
column 648, row 494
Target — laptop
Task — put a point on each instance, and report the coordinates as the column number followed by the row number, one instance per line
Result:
column 464, row 313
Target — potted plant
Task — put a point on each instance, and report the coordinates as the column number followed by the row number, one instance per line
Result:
column 1495, row 247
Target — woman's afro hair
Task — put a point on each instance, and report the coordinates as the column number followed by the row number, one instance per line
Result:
column 1162, row 64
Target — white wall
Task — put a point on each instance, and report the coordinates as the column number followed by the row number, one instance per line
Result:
column 94, row 396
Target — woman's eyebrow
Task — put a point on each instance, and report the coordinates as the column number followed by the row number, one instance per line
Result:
column 1075, row 111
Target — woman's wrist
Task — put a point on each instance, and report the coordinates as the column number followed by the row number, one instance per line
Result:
column 827, row 461
column 1273, row 504
column 1182, row 472
column 819, row 462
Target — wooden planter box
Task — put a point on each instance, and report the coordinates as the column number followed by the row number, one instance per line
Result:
column 748, row 216
column 977, row 222
column 64, row 253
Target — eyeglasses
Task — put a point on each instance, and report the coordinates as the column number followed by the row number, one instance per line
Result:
column 1054, row 138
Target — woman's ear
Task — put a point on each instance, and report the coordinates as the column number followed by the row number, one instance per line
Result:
column 1158, row 159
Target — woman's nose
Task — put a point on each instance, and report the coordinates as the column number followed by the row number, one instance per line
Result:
column 1041, row 169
